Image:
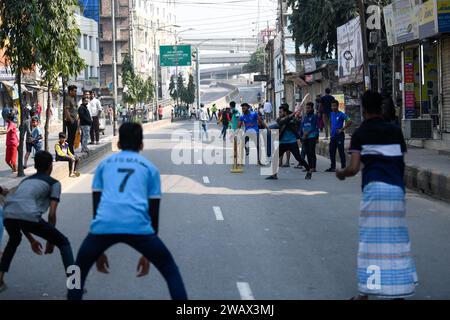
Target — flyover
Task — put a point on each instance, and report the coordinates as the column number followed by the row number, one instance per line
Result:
column 224, row 58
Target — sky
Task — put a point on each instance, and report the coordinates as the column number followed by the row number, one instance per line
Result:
column 224, row 18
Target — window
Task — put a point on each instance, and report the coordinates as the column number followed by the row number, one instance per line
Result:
column 102, row 54
column 79, row 42
column 92, row 72
column 86, row 73
column 85, row 42
column 91, row 44
column 100, row 30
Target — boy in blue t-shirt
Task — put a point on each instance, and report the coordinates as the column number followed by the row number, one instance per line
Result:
column 35, row 140
column 126, row 196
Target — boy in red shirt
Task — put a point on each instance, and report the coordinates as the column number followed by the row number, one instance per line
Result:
column 12, row 142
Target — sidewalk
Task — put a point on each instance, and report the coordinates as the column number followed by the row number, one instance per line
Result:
column 108, row 144
column 427, row 171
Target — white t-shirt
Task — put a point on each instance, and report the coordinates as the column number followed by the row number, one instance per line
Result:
column 95, row 107
column 267, row 107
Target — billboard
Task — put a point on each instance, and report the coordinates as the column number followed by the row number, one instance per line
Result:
column 350, row 52
column 175, row 56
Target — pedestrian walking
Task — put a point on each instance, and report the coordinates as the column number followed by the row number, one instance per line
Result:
column 268, row 111
column 12, row 143
column 339, row 123
column 193, row 113
column 214, row 112
column 120, row 178
column 288, row 126
column 63, row 153
column 235, row 116
column 85, row 124
column 23, row 212
column 384, row 245
column 160, row 112
column 204, row 119
column 310, row 135
column 325, row 111
column 71, row 117
column 225, row 119
column 34, row 141
column 95, row 109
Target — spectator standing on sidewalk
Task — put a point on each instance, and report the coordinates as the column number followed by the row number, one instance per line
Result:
column 34, row 141
column 62, row 153
column 95, row 109
column 339, row 123
column 268, row 111
column 325, row 110
column 23, row 214
column 383, row 232
column 119, row 220
column 71, row 117
column 85, row 124
column 12, row 143
column 310, row 135
column 160, row 112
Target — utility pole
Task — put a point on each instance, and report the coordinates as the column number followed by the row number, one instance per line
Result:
column 156, row 74
column 198, row 77
column 362, row 18
column 114, row 64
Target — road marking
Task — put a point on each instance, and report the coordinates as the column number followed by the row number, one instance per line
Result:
column 245, row 291
column 206, row 180
column 218, row 213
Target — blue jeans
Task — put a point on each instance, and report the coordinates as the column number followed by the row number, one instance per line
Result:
column 150, row 246
column 224, row 131
column 337, row 142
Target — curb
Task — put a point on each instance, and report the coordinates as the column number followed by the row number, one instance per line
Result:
column 432, row 183
column 61, row 170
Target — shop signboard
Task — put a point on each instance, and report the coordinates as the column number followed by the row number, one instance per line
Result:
column 443, row 13
column 350, row 52
column 409, row 89
column 341, row 99
column 428, row 25
column 310, row 65
column 406, row 21
column 389, row 23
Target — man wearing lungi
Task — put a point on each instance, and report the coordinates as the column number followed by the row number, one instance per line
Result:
column 386, row 268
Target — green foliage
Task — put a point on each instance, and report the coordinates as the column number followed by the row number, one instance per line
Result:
column 172, row 88
column 138, row 89
column 256, row 63
column 189, row 93
column 314, row 23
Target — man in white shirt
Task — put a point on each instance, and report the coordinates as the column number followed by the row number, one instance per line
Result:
column 268, row 111
column 204, row 118
column 95, row 109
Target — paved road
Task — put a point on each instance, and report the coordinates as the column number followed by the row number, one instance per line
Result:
column 286, row 239
column 249, row 93
column 209, row 95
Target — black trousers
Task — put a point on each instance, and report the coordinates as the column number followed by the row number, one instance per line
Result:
column 337, row 142
column 71, row 133
column 150, row 246
column 309, row 146
column 73, row 164
column 41, row 229
column 95, row 130
column 294, row 149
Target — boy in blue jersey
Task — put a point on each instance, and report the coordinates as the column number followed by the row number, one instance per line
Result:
column 126, row 199
column 251, row 121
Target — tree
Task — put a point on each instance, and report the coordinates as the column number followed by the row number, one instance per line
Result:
column 189, row 92
column 256, row 63
column 57, row 46
column 172, row 88
column 18, row 38
column 314, row 23
column 180, row 86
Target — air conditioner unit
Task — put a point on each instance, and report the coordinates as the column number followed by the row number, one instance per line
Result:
column 418, row 128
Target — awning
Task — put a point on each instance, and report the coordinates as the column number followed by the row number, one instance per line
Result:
column 11, row 84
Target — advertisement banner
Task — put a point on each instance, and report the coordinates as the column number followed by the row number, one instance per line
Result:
column 443, row 12
column 427, row 19
column 350, row 52
column 389, row 23
column 409, row 88
column 406, row 20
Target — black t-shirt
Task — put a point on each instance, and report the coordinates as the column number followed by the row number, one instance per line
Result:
column 382, row 149
column 326, row 101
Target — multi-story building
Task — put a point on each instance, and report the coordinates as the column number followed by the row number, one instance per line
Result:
column 141, row 26
column 88, row 48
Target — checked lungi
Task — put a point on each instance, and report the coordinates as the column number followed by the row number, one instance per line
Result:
column 385, row 265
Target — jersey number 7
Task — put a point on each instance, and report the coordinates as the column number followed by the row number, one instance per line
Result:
column 129, row 173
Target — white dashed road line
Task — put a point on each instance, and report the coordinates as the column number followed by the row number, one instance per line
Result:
column 245, row 291
column 218, row 213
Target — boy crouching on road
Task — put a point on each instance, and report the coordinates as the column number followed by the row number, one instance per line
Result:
column 23, row 212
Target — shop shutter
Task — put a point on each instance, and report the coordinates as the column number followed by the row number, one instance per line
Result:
column 446, row 82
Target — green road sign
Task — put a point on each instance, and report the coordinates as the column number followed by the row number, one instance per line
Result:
column 175, row 56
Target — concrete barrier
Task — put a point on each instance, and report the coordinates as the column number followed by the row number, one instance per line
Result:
column 61, row 169
column 432, row 183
